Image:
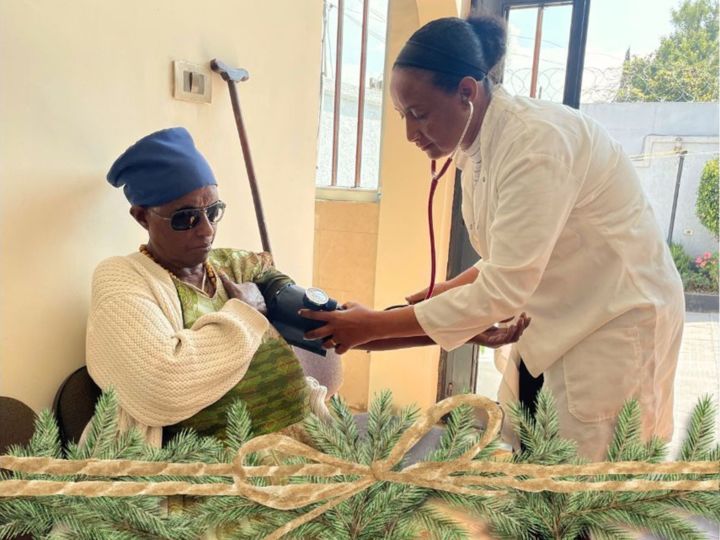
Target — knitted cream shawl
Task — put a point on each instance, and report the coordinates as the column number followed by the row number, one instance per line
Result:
column 161, row 372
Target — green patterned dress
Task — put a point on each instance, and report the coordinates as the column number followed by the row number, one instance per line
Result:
column 274, row 387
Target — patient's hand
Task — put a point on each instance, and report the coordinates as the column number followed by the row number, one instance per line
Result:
column 420, row 295
column 246, row 292
column 495, row 336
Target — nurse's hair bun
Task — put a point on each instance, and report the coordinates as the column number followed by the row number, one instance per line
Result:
column 492, row 34
column 452, row 49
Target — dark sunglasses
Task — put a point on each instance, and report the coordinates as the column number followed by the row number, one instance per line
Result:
column 188, row 218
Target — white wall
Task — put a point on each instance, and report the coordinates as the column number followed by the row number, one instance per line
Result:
column 82, row 80
column 655, row 130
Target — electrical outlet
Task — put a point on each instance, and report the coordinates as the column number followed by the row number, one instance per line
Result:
column 193, row 82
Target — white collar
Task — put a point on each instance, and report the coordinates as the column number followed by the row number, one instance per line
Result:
column 474, row 151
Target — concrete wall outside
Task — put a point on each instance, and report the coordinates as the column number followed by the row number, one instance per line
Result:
column 656, row 130
column 84, row 80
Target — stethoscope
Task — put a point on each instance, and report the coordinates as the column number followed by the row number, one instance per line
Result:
column 434, row 179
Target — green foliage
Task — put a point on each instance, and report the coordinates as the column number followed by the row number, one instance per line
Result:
column 45, row 441
column 699, row 275
column 683, row 261
column 539, row 436
column 385, row 510
column 706, row 273
column 685, row 65
column 77, row 517
column 708, row 199
column 605, row 515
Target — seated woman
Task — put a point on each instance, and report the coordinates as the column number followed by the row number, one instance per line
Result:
column 177, row 328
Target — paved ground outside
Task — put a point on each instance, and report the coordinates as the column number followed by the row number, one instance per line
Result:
column 698, row 371
column 698, row 374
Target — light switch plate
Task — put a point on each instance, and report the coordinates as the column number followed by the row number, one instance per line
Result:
column 193, row 82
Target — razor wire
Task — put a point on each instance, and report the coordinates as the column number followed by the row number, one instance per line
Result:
column 599, row 85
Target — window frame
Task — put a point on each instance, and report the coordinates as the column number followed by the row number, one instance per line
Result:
column 356, row 192
column 576, row 45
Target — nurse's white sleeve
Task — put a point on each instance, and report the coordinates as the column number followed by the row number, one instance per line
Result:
column 536, row 194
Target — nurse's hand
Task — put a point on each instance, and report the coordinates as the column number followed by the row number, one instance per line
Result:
column 495, row 337
column 346, row 328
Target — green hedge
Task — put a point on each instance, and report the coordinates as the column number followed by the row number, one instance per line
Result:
column 707, row 200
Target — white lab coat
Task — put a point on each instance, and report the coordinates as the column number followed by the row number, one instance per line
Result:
column 555, row 210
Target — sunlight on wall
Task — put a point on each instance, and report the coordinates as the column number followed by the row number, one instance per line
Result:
column 88, row 79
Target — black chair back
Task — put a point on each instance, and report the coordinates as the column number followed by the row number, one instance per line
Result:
column 74, row 404
column 17, row 423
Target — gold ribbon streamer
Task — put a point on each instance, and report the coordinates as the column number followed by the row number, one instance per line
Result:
column 434, row 475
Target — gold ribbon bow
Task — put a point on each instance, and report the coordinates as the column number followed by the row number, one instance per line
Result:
column 433, row 475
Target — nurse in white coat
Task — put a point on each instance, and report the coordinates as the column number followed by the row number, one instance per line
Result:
column 555, row 211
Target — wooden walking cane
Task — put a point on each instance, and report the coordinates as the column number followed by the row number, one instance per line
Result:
column 232, row 76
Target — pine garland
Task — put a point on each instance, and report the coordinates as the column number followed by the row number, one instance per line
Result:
column 384, row 510
column 546, row 515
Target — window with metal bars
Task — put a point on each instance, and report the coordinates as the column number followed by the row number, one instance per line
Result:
column 353, row 61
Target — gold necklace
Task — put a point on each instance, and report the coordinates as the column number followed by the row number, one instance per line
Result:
column 209, row 271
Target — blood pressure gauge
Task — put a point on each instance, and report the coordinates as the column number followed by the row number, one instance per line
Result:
column 283, row 306
column 317, row 299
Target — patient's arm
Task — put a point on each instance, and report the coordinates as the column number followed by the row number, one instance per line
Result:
column 396, row 343
column 268, row 279
column 256, row 268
